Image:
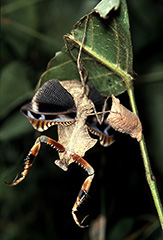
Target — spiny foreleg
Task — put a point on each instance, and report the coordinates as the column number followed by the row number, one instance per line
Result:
column 29, row 160
column 84, row 189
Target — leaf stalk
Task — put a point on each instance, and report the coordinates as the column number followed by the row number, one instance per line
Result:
column 148, row 170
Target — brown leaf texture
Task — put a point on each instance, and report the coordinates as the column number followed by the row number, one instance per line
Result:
column 123, row 120
column 75, row 137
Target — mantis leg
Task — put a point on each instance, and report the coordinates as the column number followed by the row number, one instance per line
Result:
column 84, row 189
column 29, row 160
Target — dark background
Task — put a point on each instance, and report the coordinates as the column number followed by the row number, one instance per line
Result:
column 40, row 207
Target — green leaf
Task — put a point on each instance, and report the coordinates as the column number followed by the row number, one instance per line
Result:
column 61, row 67
column 105, row 6
column 17, row 17
column 15, row 87
column 107, row 53
column 122, row 229
column 14, row 126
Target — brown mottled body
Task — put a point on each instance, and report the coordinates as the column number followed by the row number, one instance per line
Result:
column 66, row 104
column 123, row 120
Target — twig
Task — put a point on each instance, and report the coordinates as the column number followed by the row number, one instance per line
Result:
column 148, row 170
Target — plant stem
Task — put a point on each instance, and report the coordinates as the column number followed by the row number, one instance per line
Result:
column 148, row 170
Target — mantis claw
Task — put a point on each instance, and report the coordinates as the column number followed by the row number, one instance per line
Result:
column 77, row 220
